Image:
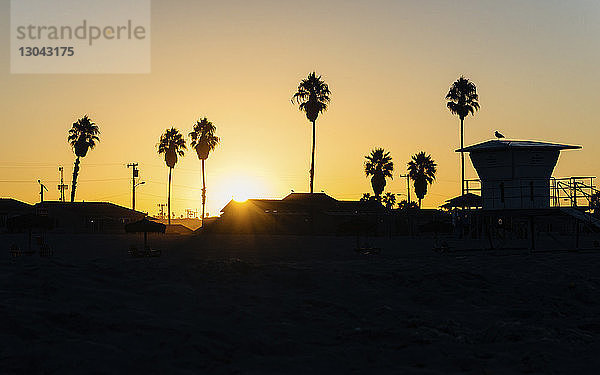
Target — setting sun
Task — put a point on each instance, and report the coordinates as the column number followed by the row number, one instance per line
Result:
column 240, row 197
column 243, row 187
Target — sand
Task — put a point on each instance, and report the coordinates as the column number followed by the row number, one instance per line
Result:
column 273, row 304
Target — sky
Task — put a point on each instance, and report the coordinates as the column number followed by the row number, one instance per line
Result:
column 388, row 64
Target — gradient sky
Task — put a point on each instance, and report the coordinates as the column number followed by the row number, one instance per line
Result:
column 389, row 64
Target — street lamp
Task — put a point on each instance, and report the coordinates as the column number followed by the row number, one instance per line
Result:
column 133, row 191
column 42, row 188
column 407, row 176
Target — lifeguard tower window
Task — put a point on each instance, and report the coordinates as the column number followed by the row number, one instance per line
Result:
column 537, row 159
column 502, row 192
column 491, row 161
column 531, row 191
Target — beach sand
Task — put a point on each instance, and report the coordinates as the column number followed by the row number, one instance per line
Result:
column 284, row 304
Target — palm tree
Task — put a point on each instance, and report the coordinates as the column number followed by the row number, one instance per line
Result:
column 312, row 98
column 171, row 144
column 204, row 141
column 367, row 197
column 462, row 100
column 421, row 169
column 389, row 200
column 379, row 166
column 83, row 136
column 405, row 205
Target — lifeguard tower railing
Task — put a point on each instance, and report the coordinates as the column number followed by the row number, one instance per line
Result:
column 572, row 191
column 564, row 192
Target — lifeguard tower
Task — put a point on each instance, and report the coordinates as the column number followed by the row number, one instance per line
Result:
column 521, row 201
column 515, row 174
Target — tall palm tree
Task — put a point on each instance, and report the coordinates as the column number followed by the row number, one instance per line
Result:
column 421, row 169
column 312, row 98
column 389, row 200
column 462, row 100
column 204, row 141
column 379, row 166
column 83, row 136
column 172, row 145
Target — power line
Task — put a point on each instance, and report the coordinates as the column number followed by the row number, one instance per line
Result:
column 19, row 181
column 165, row 184
column 8, row 164
column 172, row 198
column 112, row 196
column 78, row 181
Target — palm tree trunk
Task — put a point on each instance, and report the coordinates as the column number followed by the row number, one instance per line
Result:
column 419, row 203
column 74, row 183
column 169, row 199
column 203, row 192
column 312, row 163
column 462, row 158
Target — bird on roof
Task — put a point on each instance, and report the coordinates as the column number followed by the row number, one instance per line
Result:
column 498, row 134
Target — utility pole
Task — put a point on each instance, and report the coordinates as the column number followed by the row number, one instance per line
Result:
column 42, row 188
column 407, row 176
column 135, row 174
column 62, row 187
column 162, row 210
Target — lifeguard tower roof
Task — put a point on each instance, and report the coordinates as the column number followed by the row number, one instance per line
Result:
column 503, row 144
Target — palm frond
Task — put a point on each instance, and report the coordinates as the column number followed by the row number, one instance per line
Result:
column 203, row 133
column 313, row 94
column 84, row 130
column 462, row 98
column 379, row 162
column 422, row 167
column 172, row 139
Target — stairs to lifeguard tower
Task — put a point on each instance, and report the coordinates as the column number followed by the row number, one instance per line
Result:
column 581, row 216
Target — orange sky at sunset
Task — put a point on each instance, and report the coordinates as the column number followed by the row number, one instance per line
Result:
column 388, row 64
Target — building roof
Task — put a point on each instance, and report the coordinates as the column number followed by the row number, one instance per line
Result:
column 309, row 197
column 504, row 144
column 12, row 205
column 88, row 208
column 296, row 202
column 466, row 200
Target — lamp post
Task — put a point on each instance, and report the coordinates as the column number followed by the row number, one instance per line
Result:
column 42, row 188
column 133, row 197
column 135, row 173
column 407, row 184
